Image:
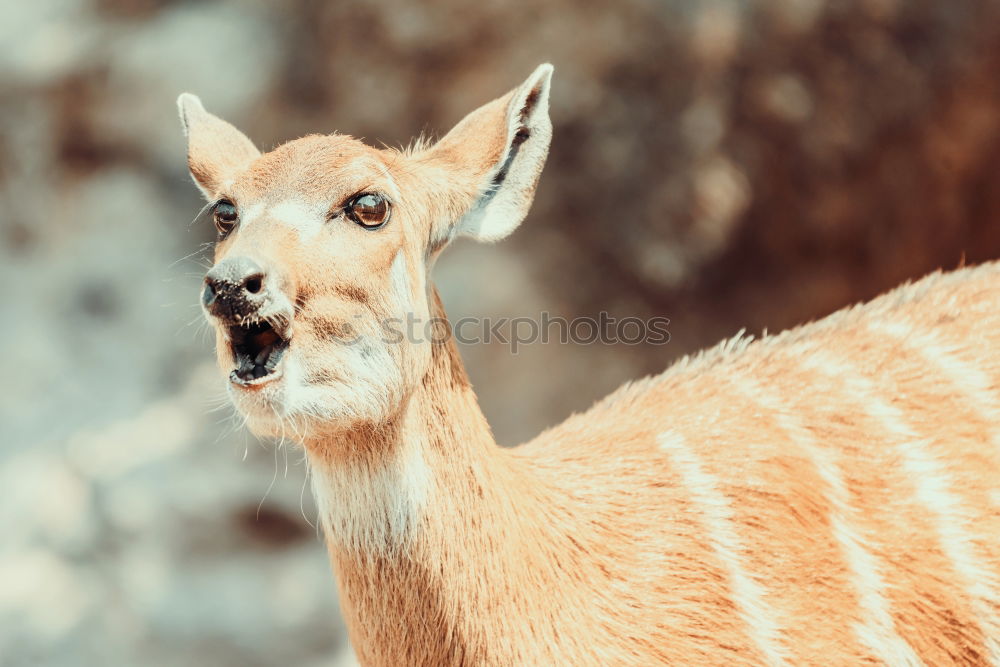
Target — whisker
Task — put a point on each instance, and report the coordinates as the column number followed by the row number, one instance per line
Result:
column 200, row 248
column 270, row 486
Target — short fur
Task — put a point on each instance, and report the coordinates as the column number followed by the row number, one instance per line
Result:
column 828, row 496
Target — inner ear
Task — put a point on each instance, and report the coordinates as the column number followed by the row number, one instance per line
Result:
column 495, row 156
column 520, row 136
column 505, row 202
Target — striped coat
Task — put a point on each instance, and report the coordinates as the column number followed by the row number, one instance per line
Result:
column 827, row 496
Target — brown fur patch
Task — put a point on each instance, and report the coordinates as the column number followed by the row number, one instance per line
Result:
column 333, row 329
column 302, row 297
column 322, row 376
column 352, row 293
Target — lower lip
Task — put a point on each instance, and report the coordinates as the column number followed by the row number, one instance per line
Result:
column 256, row 383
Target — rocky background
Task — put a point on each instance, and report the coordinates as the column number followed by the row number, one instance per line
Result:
column 726, row 164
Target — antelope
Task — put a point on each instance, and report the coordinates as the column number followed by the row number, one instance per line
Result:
column 826, row 496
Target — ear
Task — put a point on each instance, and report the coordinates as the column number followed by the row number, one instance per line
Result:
column 217, row 151
column 496, row 155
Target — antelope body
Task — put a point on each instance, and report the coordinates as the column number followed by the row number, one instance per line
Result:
column 828, row 496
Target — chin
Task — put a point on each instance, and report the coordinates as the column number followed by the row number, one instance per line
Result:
column 287, row 402
column 264, row 407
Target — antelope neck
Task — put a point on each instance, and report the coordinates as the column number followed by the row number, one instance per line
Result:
column 410, row 538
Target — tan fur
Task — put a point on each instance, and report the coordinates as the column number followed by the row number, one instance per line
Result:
column 828, row 496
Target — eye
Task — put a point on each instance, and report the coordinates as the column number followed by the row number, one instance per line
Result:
column 225, row 216
column 369, row 210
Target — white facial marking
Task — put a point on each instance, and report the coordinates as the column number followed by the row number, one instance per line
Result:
column 749, row 595
column 251, row 213
column 296, row 399
column 401, row 283
column 306, row 219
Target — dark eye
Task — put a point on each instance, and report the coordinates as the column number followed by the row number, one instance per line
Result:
column 369, row 210
column 225, row 216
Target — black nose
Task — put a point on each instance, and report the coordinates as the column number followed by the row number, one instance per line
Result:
column 234, row 288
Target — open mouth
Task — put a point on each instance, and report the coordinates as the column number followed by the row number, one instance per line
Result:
column 258, row 349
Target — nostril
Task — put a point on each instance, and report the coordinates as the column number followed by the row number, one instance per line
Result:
column 254, row 283
column 208, row 294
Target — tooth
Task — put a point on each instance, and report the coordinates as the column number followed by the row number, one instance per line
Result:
column 263, row 354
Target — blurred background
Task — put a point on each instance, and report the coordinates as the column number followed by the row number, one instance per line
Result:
column 726, row 164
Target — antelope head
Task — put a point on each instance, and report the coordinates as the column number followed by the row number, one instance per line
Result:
column 324, row 248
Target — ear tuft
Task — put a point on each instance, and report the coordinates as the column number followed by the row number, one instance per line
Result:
column 530, row 102
column 189, row 106
column 538, row 85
